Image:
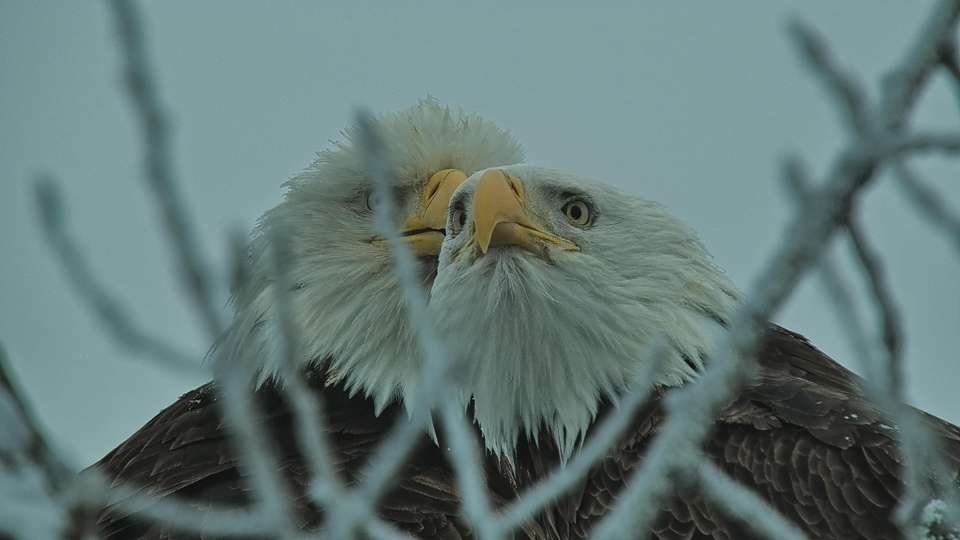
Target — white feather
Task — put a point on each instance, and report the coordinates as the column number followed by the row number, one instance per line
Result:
column 345, row 300
column 545, row 339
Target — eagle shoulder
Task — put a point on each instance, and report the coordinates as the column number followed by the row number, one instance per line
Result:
column 802, row 436
column 185, row 452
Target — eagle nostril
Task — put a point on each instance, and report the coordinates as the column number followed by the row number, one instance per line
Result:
column 515, row 185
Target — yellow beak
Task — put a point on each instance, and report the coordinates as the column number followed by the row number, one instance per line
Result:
column 424, row 231
column 500, row 216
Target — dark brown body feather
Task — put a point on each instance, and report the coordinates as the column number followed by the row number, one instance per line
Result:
column 802, row 436
column 185, row 452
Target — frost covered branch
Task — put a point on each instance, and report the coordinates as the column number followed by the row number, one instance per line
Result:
column 951, row 62
column 842, row 86
column 836, row 286
column 107, row 308
column 932, row 206
column 891, row 320
column 51, row 489
column 889, row 374
column 468, row 464
column 846, row 91
column 920, row 449
column 432, row 390
column 902, row 85
column 308, row 412
column 691, row 411
column 884, row 381
column 143, row 90
column 42, row 495
column 234, row 384
column 253, row 450
column 33, row 480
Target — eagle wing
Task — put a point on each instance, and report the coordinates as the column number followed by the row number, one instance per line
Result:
column 802, row 437
column 186, row 452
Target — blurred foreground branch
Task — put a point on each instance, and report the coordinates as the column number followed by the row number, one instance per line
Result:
column 932, row 206
column 32, row 478
column 692, row 410
column 106, row 307
column 49, row 492
column 433, row 387
column 183, row 235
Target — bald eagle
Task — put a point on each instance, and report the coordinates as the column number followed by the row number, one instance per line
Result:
column 554, row 285
column 358, row 349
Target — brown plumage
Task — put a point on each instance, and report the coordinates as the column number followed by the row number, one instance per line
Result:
column 556, row 284
column 350, row 313
column 553, row 313
column 185, row 452
column 802, row 437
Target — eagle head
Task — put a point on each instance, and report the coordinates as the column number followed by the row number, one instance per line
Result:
column 344, row 297
column 552, row 285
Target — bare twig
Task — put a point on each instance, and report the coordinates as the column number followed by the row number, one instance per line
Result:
column 468, row 466
column 832, row 279
column 847, row 91
column 691, row 410
column 32, row 477
column 843, row 86
column 951, row 62
column 933, row 207
column 895, row 147
column 160, row 169
column 234, row 378
column 921, row 450
column 46, row 489
column 107, row 308
column 432, row 387
column 902, row 85
column 838, row 290
column 309, row 417
column 35, row 439
column 891, row 325
column 885, row 386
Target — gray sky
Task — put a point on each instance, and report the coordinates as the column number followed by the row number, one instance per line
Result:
column 691, row 104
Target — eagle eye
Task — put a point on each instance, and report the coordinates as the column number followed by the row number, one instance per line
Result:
column 577, row 213
column 458, row 219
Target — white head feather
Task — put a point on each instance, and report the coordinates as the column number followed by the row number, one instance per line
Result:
column 344, row 298
column 546, row 336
